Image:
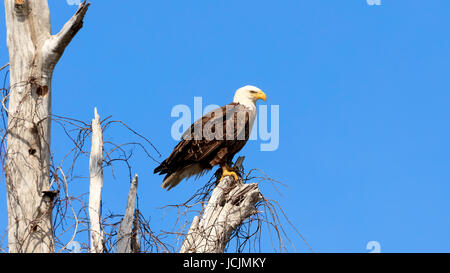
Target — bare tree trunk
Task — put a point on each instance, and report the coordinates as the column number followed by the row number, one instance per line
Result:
column 127, row 237
column 230, row 204
column 96, row 184
column 33, row 53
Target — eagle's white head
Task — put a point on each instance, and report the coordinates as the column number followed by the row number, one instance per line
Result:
column 249, row 95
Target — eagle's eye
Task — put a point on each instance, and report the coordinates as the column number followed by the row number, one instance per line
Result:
column 253, row 92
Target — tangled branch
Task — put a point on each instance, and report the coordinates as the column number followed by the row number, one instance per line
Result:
column 269, row 217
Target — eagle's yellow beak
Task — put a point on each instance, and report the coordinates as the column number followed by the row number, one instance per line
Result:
column 260, row 96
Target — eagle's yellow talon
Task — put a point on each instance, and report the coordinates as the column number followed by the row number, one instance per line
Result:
column 227, row 173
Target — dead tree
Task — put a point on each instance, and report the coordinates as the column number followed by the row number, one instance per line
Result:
column 96, row 184
column 230, row 204
column 33, row 54
column 127, row 238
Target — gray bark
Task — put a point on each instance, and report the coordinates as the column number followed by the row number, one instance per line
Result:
column 126, row 233
column 231, row 202
column 33, row 53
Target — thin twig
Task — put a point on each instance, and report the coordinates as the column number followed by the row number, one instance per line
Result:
column 3, row 67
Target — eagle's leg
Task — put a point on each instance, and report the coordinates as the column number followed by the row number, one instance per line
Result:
column 226, row 171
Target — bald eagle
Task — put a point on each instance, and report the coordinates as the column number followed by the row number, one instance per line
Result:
column 213, row 139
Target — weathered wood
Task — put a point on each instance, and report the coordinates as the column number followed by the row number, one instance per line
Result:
column 96, row 184
column 33, row 54
column 135, row 245
column 231, row 202
column 125, row 235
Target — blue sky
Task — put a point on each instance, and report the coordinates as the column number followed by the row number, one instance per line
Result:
column 363, row 93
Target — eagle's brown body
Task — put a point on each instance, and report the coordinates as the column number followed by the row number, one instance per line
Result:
column 212, row 140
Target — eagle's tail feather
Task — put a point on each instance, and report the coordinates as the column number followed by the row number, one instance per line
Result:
column 173, row 179
column 170, row 181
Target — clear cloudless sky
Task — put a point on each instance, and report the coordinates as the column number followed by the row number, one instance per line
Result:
column 363, row 93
